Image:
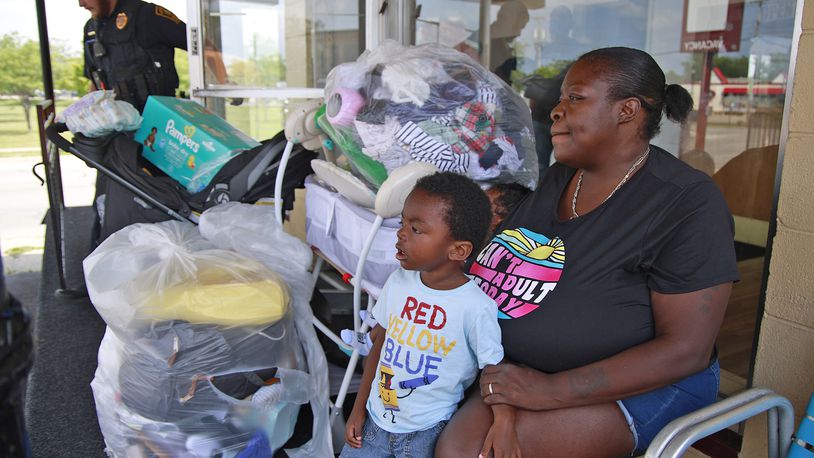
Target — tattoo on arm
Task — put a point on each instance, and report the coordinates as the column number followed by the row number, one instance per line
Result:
column 587, row 381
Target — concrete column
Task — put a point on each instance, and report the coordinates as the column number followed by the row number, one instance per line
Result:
column 785, row 353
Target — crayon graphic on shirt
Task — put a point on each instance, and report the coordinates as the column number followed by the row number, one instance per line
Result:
column 386, row 390
column 517, row 269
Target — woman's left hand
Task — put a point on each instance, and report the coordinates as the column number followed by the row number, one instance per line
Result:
column 510, row 384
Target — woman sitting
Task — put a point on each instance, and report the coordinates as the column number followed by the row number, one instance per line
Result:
column 608, row 344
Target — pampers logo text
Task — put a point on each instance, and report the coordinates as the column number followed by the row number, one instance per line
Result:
column 182, row 138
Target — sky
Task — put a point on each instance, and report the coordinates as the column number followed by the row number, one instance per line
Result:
column 65, row 19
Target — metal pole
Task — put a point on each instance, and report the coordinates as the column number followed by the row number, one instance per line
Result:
column 703, row 102
column 4, row 296
column 45, row 51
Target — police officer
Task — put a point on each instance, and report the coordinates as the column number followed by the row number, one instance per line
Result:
column 130, row 48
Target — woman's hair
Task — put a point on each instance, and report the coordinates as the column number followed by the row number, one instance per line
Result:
column 634, row 73
column 467, row 213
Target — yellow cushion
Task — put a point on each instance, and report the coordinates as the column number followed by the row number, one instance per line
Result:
column 253, row 303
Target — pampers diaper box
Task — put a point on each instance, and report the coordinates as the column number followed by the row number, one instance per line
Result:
column 187, row 141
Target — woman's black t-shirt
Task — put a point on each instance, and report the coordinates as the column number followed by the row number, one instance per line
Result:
column 577, row 291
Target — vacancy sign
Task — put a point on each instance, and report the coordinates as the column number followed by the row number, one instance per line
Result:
column 711, row 25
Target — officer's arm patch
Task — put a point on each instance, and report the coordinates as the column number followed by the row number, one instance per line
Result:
column 160, row 11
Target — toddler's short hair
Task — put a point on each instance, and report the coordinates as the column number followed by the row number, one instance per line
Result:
column 467, row 211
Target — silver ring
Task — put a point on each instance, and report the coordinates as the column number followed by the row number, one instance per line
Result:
column 490, row 389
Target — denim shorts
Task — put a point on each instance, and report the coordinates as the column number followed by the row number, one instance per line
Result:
column 377, row 442
column 648, row 413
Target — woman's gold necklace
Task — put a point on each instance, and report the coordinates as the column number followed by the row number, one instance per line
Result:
column 624, row 180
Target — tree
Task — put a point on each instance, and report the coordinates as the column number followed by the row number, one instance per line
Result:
column 182, row 66
column 553, row 69
column 263, row 71
column 731, row 66
column 68, row 70
column 21, row 74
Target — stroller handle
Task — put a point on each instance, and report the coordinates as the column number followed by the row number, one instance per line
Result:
column 54, row 134
column 54, row 131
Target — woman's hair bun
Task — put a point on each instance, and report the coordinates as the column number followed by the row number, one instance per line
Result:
column 677, row 102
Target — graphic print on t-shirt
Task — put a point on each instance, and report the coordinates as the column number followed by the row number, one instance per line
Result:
column 414, row 343
column 517, row 269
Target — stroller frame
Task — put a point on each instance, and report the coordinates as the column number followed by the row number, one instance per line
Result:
column 54, row 134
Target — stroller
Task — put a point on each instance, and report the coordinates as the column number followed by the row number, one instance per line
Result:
column 130, row 190
column 147, row 413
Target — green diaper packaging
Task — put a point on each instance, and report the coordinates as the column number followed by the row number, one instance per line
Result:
column 187, row 141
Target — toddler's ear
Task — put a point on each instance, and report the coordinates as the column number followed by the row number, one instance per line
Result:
column 460, row 250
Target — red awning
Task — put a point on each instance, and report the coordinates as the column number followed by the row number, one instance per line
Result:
column 756, row 90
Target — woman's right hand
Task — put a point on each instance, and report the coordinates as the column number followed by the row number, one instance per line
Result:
column 501, row 440
column 354, row 428
column 502, row 436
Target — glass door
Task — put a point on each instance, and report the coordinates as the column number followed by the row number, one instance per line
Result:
column 252, row 59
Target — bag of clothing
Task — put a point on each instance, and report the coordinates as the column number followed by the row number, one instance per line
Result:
column 428, row 103
column 203, row 355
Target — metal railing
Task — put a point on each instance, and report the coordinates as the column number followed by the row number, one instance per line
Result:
column 679, row 435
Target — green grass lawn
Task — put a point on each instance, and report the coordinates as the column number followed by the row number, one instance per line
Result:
column 13, row 130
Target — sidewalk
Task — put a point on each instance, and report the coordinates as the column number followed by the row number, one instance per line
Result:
column 24, row 203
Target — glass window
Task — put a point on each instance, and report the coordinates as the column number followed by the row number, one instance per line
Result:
column 738, row 81
column 260, row 118
column 737, row 77
column 452, row 23
column 275, row 44
column 280, row 44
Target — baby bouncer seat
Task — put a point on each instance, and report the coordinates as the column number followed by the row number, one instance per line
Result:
column 394, row 115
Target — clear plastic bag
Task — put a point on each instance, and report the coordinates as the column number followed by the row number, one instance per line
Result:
column 428, row 103
column 203, row 355
column 253, row 231
column 98, row 113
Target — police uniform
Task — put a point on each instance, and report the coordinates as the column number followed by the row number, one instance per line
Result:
column 132, row 51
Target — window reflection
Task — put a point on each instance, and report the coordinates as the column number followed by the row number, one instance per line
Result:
column 747, row 86
column 260, row 118
column 511, row 18
column 248, row 36
column 276, row 44
column 734, row 139
column 451, row 23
